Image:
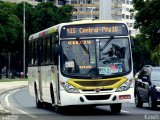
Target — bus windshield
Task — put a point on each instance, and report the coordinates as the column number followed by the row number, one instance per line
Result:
column 95, row 57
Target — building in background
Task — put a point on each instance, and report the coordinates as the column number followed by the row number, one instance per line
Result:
column 84, row 9
column 103, row 9
column 128, row 17
column 33, row 2
column 118, row 10
column 110, row 9
column 97, row 9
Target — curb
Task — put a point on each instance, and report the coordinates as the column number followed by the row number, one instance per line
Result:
column 3, row 110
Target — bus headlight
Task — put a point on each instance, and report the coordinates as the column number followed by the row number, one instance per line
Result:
column 125, row 86
column 69, row 88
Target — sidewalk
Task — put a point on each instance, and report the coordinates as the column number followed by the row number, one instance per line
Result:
column 5, row 86
column 11, row 85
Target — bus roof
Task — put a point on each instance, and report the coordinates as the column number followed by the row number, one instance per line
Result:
column 55, row 28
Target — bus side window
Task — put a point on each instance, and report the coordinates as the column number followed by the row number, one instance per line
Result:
column 44, row 51
column 56, row 53
column 40, row 51
column 32, row 56
column 48, row 50
column 52, row 49
column 36, row 53
column 56, row 49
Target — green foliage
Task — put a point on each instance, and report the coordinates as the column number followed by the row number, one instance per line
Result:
column 138, row 4
column 10, row 26
column 156, row 55
column 37, row 18
column 29, row 12
column 64, row 13
column 148, row 21
column 47, row 14
column 141, row 52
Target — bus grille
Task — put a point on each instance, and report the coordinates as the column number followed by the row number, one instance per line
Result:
column 96, row 83
column 97, row 97
column 94, row 90
column 88, row 85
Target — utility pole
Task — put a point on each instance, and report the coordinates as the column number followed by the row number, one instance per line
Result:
column 9, row 63
column 24, row 44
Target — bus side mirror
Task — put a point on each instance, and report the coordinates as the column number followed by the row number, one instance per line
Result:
column 57, row 49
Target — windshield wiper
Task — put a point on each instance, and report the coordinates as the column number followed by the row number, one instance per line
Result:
column 83, row 46
column 106, row 44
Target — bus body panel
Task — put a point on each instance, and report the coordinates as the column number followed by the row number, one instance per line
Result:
column 32, row 79
column 45, row 76
column 68, row 99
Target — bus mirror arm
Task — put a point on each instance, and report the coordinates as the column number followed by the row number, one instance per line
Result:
column 57, row 49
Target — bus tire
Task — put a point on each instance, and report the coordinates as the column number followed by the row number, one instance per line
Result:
column 116, row 108
column 39, row 104
column 57, row 109
column 52, row 94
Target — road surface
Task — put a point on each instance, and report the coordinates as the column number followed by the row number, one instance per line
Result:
column 22, row 107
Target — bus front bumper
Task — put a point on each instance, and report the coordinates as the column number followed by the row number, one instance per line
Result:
column 67, row 99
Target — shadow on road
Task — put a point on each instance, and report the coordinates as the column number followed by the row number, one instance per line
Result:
column 82, row 110
column 147, row 108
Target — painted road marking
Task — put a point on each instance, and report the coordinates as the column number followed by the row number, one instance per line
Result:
column 125, row 111
column 8, row 104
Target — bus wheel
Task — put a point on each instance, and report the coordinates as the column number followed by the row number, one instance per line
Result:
column 52, row 94
column 39, row 104
column 57, row 108
column 116, row 108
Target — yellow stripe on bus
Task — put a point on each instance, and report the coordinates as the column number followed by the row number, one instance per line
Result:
column 118, row 82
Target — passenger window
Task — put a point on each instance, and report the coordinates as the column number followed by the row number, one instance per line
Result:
column 52, row 49
column 44, row 51
column 40, row 51
column 48, row 50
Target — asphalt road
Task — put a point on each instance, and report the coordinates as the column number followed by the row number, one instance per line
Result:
column 22, row 107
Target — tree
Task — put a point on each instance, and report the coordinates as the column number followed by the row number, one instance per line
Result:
column 141, row 52
column 64, row 13
column 47, row 14
column 29, row 12
column 148, row 18
column 10, row 27
column 156, row 55
column 148, row 21
column 38, row 17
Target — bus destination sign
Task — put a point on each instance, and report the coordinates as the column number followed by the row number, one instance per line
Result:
column 91, row 30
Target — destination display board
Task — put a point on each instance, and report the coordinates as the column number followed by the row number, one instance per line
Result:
column 91, row 30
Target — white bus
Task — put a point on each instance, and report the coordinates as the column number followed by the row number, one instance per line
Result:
column 81, row 63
